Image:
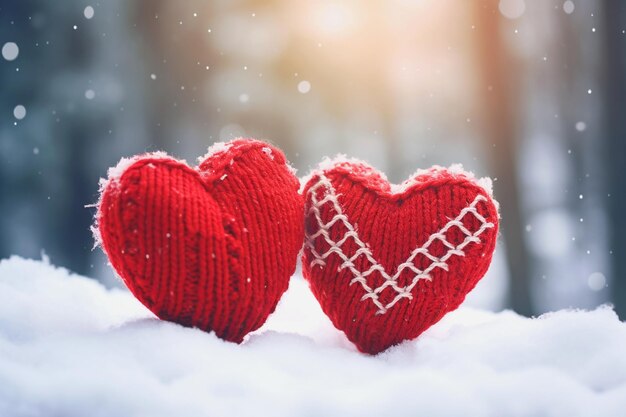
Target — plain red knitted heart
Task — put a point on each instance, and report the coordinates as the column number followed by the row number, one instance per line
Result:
column 211, row 247
column 385, row 264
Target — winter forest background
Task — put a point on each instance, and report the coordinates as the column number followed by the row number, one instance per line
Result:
column 531, row 93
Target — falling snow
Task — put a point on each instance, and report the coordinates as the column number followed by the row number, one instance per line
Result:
column 304, row 87
column 512, row 9
column 88, row 12
column 10, row 51
column 19, row 112
column 597, row 281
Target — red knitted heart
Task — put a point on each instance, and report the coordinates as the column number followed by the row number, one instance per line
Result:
column 211, row 247
column 385, row 264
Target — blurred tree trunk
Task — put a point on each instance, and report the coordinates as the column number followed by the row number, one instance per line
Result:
column 177, row 56
column 70, row 234
column 615, row 134
column 156, row 50
column 56, row 180
column 501, row 137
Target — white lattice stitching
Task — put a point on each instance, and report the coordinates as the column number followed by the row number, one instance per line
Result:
column 330, row 197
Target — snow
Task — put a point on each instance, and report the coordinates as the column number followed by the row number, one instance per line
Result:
column 304, row 87
column 70, row 347
column 268, row 151
column 328, row 163
column 116, row 172
column 88, row 12
column 596, row 281
column 10, row 51
column 216, row 148
column 19, row 112
column 512, row 9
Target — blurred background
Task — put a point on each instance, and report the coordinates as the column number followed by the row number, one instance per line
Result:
column 531, row 93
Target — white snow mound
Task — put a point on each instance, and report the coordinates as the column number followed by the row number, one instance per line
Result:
column 69, row 347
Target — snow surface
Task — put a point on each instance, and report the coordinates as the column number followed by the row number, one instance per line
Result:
column 70, row 347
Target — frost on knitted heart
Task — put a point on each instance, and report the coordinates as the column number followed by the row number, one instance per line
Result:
column 211, row 247
column 387, row 262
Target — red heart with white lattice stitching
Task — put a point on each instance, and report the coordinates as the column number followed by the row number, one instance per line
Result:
column 387, row 262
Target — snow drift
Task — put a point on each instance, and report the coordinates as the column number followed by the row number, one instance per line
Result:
column 70, row 347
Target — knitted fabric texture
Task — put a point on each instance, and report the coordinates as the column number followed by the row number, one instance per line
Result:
column 385, row 264
column 211, row 247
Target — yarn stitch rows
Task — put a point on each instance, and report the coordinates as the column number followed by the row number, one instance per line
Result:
column 330, row 197
column 200, row 246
